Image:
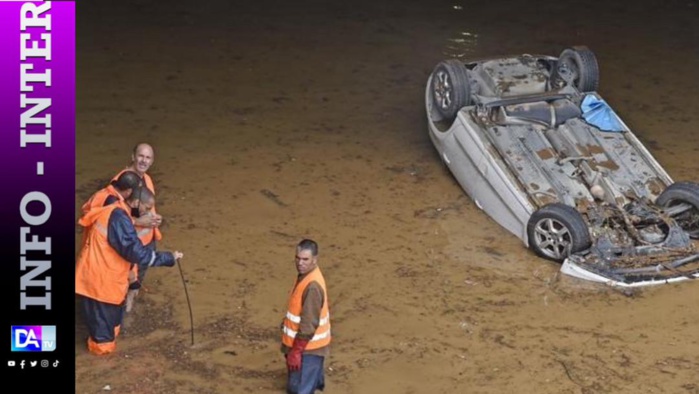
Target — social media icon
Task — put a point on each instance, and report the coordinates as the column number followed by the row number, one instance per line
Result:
column 10, row 363
column 21, row 364
column 33, row 363
column 33, row 338
column 55, row 363
column 44, row 363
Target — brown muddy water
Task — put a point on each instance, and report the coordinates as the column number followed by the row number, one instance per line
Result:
column 275, row 121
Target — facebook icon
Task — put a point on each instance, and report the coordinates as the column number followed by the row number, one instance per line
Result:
column 33, row 338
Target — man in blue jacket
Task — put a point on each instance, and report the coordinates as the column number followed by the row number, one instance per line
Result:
column 111, row 248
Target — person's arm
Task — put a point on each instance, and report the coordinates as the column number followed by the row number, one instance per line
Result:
column 147, row 220
column 312, row 301
column 123, row 238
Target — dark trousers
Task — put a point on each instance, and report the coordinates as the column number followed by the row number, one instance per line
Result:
column 103, row 320
column 310, row 378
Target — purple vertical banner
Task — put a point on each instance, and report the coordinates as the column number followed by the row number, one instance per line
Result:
column 37, row 237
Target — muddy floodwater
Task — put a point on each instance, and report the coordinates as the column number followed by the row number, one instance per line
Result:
column 274, row 121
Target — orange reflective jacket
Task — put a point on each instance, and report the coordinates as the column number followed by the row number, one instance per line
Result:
column 145, row 234
column 97, row 200
column 292, row 319
column 101, row 273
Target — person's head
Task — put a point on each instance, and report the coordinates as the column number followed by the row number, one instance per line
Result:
column 126, row 183
column 142, row 158
column 306, row 256
column 141, row 201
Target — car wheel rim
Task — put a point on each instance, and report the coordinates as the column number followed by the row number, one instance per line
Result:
column 553, row 238
column 568, row 71
column 443, row 90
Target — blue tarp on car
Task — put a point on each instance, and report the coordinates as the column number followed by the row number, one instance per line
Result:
column 598, row 113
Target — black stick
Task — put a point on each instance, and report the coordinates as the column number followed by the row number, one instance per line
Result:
column 189, row 304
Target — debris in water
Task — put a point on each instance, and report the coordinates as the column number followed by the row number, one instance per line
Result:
column 273, row 197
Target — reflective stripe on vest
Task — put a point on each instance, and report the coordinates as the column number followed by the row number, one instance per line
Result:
column 317, row 337
column 297, row 319
column 292, row 319
column 145, row 233
column 101, row 228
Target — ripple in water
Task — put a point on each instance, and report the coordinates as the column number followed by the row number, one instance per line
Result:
column 462, row 45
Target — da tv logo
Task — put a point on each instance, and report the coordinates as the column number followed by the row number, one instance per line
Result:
column 33, row 338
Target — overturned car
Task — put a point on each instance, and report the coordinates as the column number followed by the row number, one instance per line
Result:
column 539, row 150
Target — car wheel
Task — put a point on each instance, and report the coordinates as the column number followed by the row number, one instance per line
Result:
column 577, row 66
column 683, row 193
column 556, row 231
column 450, row 88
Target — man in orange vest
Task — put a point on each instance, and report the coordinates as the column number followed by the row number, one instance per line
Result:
column 147, row 225
column 117, row 191
column 142, row 159
column 102, row 270
column 306, row 325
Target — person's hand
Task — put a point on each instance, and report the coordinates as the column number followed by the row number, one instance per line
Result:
column 147, row 220
column 158, row 220
column 177, row 255
column 293, row 358
column 293, row 361
column 142, row 221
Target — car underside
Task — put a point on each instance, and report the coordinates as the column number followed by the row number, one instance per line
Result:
column 539, row 150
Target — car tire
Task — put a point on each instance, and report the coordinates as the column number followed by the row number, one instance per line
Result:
column 451, row 89
column 678, row 193
column 556, row 231
column 577, row 66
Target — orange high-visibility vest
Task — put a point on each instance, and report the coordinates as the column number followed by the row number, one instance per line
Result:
column 145, row 234
column 101, row 273
column 292, row 319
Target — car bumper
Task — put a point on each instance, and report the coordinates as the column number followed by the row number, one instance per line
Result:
column 678, row 270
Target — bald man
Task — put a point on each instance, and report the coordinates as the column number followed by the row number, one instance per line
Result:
column 147, row 225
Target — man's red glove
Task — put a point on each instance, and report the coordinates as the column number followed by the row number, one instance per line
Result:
column 293, row 358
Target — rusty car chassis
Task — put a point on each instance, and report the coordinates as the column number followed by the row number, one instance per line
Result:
column 538, row 149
